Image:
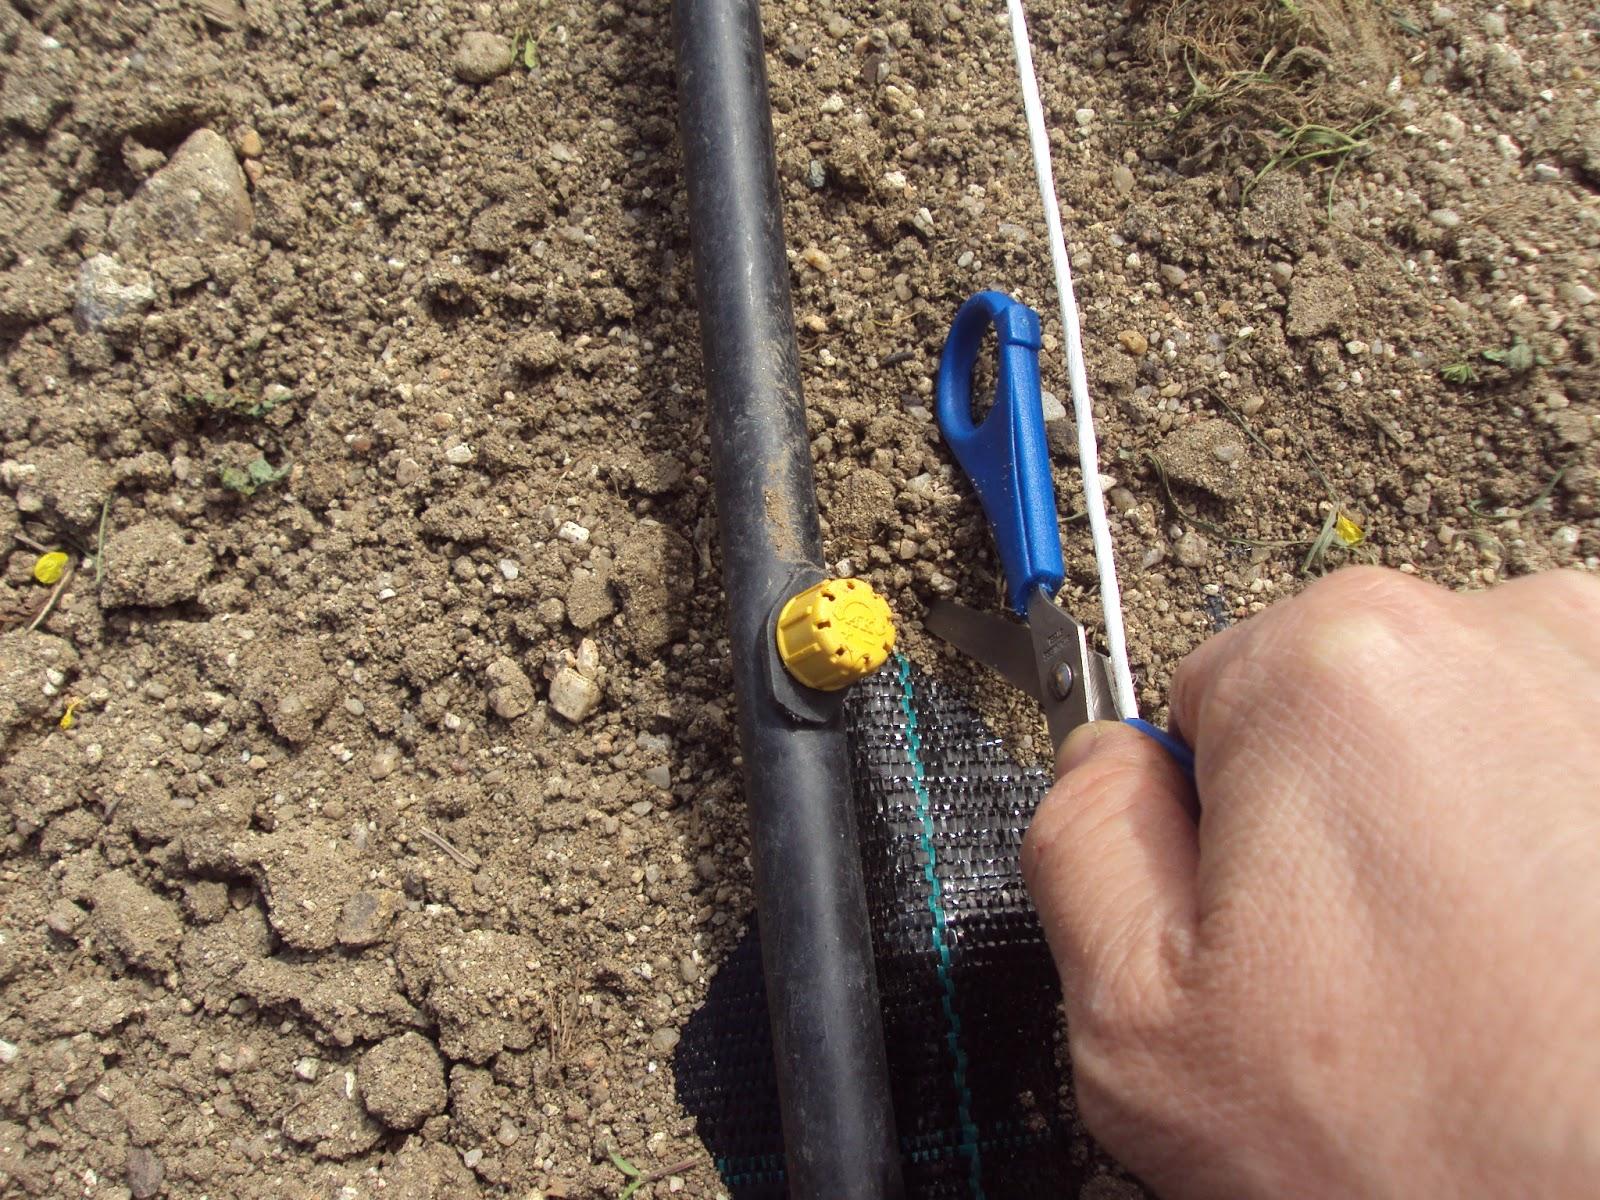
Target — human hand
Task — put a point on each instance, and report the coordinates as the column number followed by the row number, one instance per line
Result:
column 1373, row 969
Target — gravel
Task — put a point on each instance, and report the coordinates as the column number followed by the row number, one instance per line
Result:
column 481, row 57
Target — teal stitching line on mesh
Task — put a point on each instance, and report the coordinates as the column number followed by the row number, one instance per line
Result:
column 947, row 983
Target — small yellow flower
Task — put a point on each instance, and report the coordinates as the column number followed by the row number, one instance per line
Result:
column 69, row 718
column 48, row 568
column 1348, row 532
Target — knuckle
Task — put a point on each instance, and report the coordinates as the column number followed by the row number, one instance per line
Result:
column 1359, row 625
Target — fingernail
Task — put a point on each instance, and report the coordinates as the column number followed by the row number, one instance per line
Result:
column 1077, row 748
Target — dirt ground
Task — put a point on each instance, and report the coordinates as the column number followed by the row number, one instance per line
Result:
column 372, row 821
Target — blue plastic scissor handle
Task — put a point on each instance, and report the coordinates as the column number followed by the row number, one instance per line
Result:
column 1005, row 454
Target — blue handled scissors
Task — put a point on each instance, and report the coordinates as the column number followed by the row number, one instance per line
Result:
column 1008, row 461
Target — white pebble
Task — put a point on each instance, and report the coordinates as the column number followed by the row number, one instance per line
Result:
column 1566, row 538
column 459, row 455
column 589, row 656
column 8, row 1052
column 306, row 1068
column 574, row 696
column 509, row 569
column 571, row 531
column 1445, row 218
column 1084, row 117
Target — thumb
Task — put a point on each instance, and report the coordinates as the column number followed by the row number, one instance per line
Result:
column 1110, row 860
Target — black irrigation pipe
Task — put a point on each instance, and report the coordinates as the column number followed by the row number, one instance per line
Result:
column 822, row 996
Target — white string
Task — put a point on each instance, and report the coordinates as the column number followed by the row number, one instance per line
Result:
column 1077, row 379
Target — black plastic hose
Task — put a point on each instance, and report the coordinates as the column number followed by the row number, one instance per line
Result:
column 822, row 996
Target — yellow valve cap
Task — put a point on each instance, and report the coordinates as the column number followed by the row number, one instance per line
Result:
column 835, row 633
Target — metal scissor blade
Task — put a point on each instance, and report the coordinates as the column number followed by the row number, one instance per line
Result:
column 1001, row 645
column 1073, row 681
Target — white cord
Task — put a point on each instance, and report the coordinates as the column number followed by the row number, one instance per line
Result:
column 1077, row 379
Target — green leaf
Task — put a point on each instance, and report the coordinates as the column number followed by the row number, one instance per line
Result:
column 1520, row 357
column 262, row 472
column 237, row 480
column 626, row 1167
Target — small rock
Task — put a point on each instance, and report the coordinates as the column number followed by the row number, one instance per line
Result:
column 472, row 1157
column 459, row 455
column 306, row 1069
column 143, row 927
column 511, row 695
column 1191, row 550
column 1173, row 274
column 659, row 776
column 652, row 564
column 199, row 196
column 508, row 1133
column 589, row 598
column 64, row 918
column 109, row 294
column 331, row 1120
column 402, row 1081
column 1546, row 172
column 384, row 762
column 509, row 570
column 26, row 660
column 1121, row 179
column 364, row 919
column 1134, row 342
column 1445, row 218
column 572, row 533
column 688, row 969
column 8, row 1052
column 1580, row 295
column 1207, row 455
column 1318, row 303
column 145, row 1172
column 1122, row 500
column 573, row 695
column 482, row 56
column 1084, row 117
column 1053, row 409
column 664, row 1040
column 1566, row 537
column 249, row 143
column 151, row 565
column 817, row 259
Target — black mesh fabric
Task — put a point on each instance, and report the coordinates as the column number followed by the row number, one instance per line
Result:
column 968, row 990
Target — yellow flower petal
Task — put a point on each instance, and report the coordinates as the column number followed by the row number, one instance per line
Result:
column 1348, row 532
column 49, row 568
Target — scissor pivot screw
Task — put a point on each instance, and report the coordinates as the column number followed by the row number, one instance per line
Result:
column 1061, row 680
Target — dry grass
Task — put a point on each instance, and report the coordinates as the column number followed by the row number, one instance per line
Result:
column 1263, row 81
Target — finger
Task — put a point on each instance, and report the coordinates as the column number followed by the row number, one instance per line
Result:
column 1110, row 860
